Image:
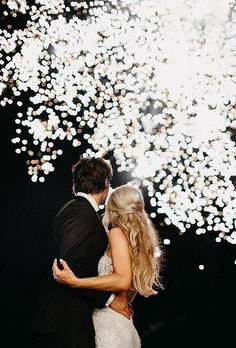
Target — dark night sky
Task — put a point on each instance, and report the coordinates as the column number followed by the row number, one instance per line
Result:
column 193, row 304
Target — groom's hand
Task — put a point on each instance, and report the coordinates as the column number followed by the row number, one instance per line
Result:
column 120, row 305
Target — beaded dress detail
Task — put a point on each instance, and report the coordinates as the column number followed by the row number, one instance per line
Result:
column 113, row 330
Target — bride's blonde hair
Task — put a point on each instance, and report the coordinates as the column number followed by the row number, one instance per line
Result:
column 125, row 209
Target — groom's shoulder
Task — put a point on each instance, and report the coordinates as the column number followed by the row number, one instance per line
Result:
column 76, row 204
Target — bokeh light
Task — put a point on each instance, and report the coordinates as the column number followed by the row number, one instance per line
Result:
column 152, row 82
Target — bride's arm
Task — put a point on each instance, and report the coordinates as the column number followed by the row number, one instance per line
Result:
column 121, row 277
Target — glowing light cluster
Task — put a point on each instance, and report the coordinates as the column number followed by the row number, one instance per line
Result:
column 151, row 81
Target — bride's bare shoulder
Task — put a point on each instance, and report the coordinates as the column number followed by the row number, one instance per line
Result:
column 115, row 230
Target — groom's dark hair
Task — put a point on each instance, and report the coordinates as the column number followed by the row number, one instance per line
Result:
column 91, row 175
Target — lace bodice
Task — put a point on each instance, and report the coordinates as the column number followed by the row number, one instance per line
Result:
column 105, row 266
column 113, row 329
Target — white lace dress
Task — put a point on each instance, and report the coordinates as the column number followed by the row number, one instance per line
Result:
column 113, row 330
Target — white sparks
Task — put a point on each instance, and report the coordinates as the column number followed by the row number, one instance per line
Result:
column 145, row 80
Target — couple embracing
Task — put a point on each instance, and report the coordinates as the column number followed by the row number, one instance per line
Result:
column 99, row 266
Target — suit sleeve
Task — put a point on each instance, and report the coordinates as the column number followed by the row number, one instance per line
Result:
column 77, row 242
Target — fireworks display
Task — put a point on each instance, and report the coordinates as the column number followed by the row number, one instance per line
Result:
column 152, row 82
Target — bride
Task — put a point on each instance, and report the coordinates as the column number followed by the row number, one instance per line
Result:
column 129, row 264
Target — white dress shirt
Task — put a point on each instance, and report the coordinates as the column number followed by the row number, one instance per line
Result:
column 96, row 208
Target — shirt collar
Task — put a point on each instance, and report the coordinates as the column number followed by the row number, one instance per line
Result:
column 90, row 199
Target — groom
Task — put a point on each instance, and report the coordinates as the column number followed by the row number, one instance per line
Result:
column 64, row 316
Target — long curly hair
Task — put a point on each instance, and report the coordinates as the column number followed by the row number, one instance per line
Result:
column 125, row 209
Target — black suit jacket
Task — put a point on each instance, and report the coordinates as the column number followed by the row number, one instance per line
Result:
column 78, row 237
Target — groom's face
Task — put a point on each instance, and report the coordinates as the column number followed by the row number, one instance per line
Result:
column 105, row 192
